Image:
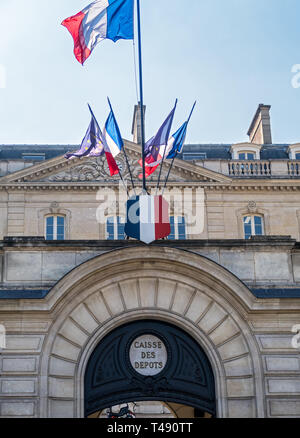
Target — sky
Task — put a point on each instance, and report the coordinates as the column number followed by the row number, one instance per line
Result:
column 228, row 55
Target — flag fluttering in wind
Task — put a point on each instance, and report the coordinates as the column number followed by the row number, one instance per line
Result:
column 176, row 142
column 156, row 145
column 102, row 19
column 173, row 147
column 111, row 143
column 95, row 144
column 112, row 135
column 91, row 141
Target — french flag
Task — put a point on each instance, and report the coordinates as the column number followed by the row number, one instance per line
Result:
column 147, row 218
column 102, row 19
column 112, row 135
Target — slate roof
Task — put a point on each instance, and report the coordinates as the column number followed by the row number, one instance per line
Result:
column 222, row 151
column 190, row 151
column 16, row 152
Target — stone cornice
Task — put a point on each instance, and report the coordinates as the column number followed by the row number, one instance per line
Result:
column 35, row 243
column 235, row 185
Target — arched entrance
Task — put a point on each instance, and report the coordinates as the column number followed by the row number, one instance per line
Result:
column 149, row 360
column 180, row 288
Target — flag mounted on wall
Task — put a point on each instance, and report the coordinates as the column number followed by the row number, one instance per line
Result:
column 147, row 218
column 102, row 19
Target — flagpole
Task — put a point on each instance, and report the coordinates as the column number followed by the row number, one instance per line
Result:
column 175, row 156
column 141, row 92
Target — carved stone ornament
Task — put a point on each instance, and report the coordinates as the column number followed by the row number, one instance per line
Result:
column 54, row 207
column 96, row 170
column 252, row 207
column 91, row 170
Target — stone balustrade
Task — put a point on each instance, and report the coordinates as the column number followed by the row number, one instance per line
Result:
column 255, row 169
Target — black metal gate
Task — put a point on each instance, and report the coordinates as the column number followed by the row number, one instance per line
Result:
column 187, row 377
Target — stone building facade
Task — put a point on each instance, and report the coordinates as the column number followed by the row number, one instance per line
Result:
column 230, row 284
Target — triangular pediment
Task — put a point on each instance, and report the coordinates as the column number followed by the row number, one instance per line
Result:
column 91, row 170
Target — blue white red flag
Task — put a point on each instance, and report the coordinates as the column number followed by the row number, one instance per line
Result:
column 147, row 218
column 174, row 146
column 162, row 136
column 94, row 145
column 102, row 19
column 112, row 135
column 155, row 144
column 176, row 142
column 102, row 147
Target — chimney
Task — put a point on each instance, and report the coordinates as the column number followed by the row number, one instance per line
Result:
column 260, row 128
column 137, row 124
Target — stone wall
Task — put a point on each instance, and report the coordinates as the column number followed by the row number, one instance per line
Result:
column 261, row 262
column 22, row 213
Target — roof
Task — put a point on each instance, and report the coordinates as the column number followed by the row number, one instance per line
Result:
column 190, row 151
column 222, row 151
column 17, row 152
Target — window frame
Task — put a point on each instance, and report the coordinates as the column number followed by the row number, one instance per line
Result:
column 176, row 225
column 55, row 226
column 246, row 153
column 253, row 225
column 117, row 221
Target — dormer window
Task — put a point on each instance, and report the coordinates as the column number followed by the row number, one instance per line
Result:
column 294, row 151
column 245, row 151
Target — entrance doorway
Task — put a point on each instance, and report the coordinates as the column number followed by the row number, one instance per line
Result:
column 150, row 409
column 150, row 361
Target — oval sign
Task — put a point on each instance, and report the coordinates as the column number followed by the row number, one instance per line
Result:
column 148, row 355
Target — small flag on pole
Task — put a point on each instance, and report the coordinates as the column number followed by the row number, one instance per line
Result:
column 110, row 150
column 157, row 144
column 102, row 19
column 92, row 140
column 176, row 142
column 112, row 135
column 173, row 147
column 94, row 145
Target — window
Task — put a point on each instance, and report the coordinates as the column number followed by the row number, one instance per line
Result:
column 33, row 157
column 297, row 156
column 178, row 228
column 55, row 228
column 189, row 156
column 115, row 227
column 250, row 156
column 253, row 226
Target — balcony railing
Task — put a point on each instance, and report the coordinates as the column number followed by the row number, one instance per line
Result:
column 294, row 168
column 250, row 168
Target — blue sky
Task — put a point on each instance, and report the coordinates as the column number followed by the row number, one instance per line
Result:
column 229, row 55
